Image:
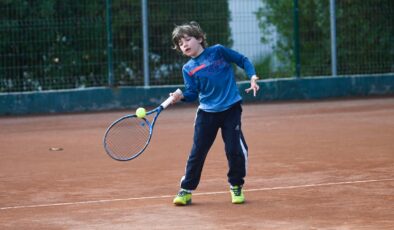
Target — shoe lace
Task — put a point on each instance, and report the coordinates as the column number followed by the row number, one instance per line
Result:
column 236, row 190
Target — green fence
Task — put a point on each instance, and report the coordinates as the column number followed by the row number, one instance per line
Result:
column 53, row 44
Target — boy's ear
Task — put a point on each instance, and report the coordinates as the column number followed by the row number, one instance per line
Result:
column 199, row 40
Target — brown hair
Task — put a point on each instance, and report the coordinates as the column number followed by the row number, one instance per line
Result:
column 191, row 29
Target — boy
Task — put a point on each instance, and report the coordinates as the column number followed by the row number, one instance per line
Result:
column 209, row 76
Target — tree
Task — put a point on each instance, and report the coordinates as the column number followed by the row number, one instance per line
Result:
column 165, row 63
column 53, row 44
column 47, row 42
column 364, row 31
column 365, row 40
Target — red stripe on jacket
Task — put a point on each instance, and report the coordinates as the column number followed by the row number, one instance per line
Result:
column 193, row 71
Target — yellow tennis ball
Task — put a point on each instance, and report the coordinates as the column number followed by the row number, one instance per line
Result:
column 140, row 112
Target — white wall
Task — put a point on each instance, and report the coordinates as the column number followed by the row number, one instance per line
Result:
column 245, row 30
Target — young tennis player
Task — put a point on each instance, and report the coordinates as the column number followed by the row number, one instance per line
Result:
column 209, row 76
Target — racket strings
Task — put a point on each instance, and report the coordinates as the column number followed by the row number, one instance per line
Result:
column 127, row 137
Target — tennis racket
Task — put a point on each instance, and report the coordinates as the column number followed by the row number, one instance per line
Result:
column 128, row 137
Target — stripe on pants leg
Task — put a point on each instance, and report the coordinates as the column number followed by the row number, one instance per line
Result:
column 245, row 153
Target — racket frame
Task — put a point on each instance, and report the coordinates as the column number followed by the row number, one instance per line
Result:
column 157, row 110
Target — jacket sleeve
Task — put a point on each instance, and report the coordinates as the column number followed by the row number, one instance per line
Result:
column 239, row 59
column 191, row 90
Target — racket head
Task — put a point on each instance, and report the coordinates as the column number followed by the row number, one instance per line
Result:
column 127, row 137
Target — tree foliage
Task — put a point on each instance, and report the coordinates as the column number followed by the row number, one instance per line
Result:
column 364, row 35
column 165, row 63
column 49, row 44
column 53, row 44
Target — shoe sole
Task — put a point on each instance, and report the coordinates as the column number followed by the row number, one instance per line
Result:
column 182, row 204
column 238, row 202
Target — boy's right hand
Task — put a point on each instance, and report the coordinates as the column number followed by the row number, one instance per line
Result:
column 176, row 97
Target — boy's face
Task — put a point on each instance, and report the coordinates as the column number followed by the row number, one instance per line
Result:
column 190, row 46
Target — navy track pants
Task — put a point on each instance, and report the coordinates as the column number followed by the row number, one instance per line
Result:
column 205, row 130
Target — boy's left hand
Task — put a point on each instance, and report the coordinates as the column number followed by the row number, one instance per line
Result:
column 253, row 85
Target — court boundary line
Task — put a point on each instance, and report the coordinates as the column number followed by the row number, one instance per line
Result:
column 194, row 194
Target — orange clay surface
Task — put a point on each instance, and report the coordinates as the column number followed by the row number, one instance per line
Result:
column 312, row 165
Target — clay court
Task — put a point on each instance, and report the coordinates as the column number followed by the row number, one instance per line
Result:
column 312, row 165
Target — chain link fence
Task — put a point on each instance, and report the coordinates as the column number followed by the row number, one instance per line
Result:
column 52, row 44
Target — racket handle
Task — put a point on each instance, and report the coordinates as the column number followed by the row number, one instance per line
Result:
column 168, row 101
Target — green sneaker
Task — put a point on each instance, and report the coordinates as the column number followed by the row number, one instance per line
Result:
column 183, row 198
column 237, row 195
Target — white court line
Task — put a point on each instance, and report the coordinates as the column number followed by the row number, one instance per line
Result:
column 194, row 194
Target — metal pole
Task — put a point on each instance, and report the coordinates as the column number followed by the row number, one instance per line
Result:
column 333, row 39
column 145, row 38
column 109, row 43
column 297, row 40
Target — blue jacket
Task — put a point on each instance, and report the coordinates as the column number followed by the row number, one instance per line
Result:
column 210, row 77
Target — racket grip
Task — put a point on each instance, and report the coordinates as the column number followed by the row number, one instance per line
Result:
column 168, row 101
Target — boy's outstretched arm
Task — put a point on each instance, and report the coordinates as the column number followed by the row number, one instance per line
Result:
column 253, row 85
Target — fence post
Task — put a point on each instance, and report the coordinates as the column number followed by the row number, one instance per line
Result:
column 109, row 43
column 145, row 38
column 333, row 39
column 296, row 40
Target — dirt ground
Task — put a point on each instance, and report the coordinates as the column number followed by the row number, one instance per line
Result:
column 312, row 165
